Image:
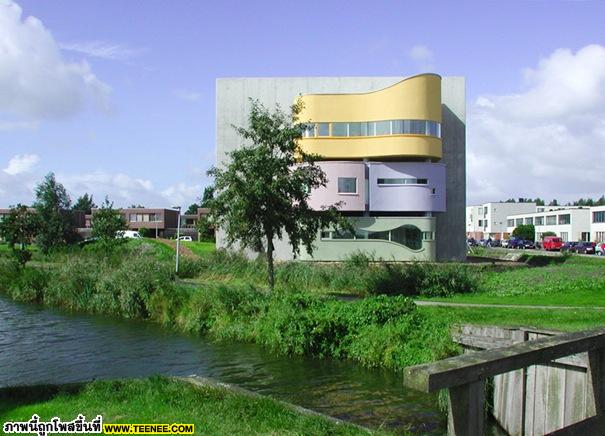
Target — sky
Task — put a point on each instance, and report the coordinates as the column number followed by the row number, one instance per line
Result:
column 117, row 98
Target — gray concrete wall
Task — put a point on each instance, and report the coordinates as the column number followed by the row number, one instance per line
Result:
column 233, row 105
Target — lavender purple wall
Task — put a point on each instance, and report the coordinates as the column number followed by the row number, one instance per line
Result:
column 329, row 195
column 410, row 198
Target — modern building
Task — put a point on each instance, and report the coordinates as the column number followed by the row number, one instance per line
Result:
column 189, row 221
column 393, row 150
column 597, row 223
column 158, row 222
column 489, row 220
column 570, row 224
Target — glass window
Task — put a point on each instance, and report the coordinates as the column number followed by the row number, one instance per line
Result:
column 565, row 219
column 325, row 235
column 397, row 127
column 323, row 129
column 340, row 129
column 361, row 234
column 309, row 131
column 407, row 235
column 347, row 185
column 345, row 234
column 402, row 181
column 417, row 127
column 598, row 217
column 551, row 220
column 529, row 220
column 133, row 217
column 539, row 220
column 379, row 235
column 510, row 223
column 371, row 128
column 519, row 222
column 428, row 236
column 358, row 129
column 383, row 127
column 433, row 129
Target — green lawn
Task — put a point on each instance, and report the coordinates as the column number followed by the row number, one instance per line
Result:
column 162, row 251
column 565, row 320
column 580, row 281
column 161, row 400
column 201, row 248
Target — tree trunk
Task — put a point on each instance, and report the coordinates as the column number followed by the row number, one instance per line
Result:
column 270, row 269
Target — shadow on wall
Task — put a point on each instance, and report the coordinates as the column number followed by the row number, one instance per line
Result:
column 451, row 240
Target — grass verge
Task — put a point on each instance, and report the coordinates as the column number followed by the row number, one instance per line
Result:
column 160, row 400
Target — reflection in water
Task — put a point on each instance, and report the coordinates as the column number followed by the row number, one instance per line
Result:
column 40, row 345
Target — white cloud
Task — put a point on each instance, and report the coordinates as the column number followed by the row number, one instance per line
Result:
column 188, row 95
column 103, row 50
column 21, row 164
column 422, row 56
column 546, row 140
column 35, row 81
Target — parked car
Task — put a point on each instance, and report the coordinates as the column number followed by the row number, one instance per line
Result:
column 600, row 249
column 128, row 234
column 471, row 242
column 185, row 239
column 515, row 243
column 585, row 248
column 496, row 243
column 568, row 246
column 505, row 243
column 529, row 245
column 552, row 243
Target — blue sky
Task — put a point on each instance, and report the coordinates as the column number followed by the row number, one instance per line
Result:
column 117, row 97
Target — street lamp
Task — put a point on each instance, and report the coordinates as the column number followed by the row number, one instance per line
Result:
column 178, row 236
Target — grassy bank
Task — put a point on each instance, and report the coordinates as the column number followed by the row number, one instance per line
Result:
column 375, row 331
column 579, row 281
column 160, row 400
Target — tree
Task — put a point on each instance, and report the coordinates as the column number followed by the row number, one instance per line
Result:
column 85, row 204
column 53, row 205
column 205, row 229
column 106, row 223
column 18, row 229
column 137, row 206
column 554, row 203
column 525, row 231
column 545, row 234
column 539, row 201
column 262, row 194
column 208, row 196
column 192, row 209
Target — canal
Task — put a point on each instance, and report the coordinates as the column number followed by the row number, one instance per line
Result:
column 42, row 345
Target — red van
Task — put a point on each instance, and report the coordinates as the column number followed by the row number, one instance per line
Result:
column 552, row 243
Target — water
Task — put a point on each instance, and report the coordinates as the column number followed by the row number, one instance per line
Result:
column 41, row 345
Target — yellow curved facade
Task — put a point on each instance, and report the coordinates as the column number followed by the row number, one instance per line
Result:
column 414, row 98
column 407, row 146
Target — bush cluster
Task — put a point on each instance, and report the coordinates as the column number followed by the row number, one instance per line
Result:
column 376, row 331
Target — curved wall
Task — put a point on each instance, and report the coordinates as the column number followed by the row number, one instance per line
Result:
column 409, row 196
column 376, row 147
column 414, row 98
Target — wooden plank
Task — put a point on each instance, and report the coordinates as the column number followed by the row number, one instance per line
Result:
column 477, row 366
column 466, row 409
column 595, row 399
column 575, row 397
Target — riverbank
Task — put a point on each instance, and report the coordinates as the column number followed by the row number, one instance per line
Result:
column 377, row 331
column 212, row 409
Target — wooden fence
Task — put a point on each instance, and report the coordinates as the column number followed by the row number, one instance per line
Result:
column 465, row 376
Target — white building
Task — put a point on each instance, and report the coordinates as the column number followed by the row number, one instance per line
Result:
column 597, row 223
column 488, row 220
column 570, row 224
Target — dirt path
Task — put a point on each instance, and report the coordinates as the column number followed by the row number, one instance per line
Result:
column 509, row 306
column 183, row 250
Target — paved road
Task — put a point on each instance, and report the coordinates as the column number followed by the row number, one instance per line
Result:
column 513, row 306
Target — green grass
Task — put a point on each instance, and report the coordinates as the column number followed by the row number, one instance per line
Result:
column 151, row 245
column 201, row 248
column 579, row 281
column 565, row 320
column 160, row 400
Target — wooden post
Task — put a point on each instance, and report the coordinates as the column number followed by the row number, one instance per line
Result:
column 595, row 400
column 466, row 409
